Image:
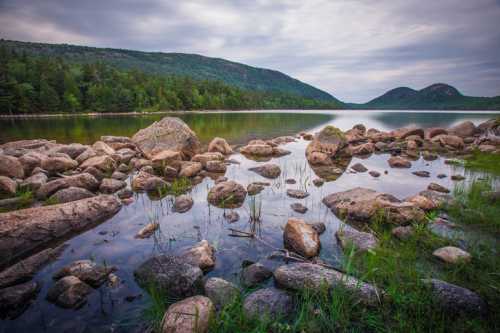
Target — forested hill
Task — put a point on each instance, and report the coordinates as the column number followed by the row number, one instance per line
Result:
column 191, row 65
column 438, row 96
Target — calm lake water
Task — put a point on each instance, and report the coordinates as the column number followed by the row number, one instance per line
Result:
column 113, row 241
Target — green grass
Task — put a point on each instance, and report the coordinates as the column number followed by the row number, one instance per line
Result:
column 473, row 208
column 483, row 162
column 26, row 198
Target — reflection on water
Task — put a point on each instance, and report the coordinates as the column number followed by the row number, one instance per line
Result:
column 113, row 242
column 236, row 127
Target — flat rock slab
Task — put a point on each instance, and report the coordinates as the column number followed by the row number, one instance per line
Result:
column 87, row 271
column 305, row 275
column 23, row 231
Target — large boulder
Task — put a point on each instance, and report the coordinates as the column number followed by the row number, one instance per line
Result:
column 191, row 315
column 362, row 204
column 83, row 180
column 23, row 231
column 455, row 299
column 171, row 274
column 326, row 144
column 70, row 194
column 220, row 145
column 220, row 291
column 269, row 170
column 228, row 194
column 69, row 292
column 312, row 276
column 464, row 129
column 166, row 157
column 254, row 274
column 11, row 167
column 167, row 134
column 268, row 302
column 301, row 238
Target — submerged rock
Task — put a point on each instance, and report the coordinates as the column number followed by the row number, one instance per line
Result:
column 358, row 167
column 312, row 276
column 86, row 270
column 227, row 194
column 438, row 188
column 297, row 194
column 269, row 170
column 269, row 302
column 16, row 299
column 298, row 207
column 254, row 274
column 147, row 231
column 191, row 315
column 183, row 203
column 69, row 292
column 301, row 238
column 24, row 230
column 167, row 134
column 170, row 274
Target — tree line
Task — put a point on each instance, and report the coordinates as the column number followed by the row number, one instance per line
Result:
column 39, row 84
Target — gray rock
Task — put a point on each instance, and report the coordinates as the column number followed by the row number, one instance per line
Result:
column 305, row 275
column 16, row 299
column 110, row 185
column 86, row 270
column 422, row 173
column 358, row 167
column 232, row 216
column 125, row 193
column 438, row 188
column 455, row 299
column 270, row 302
column 220, row 291
column 69, row 292
column 298, row 207
column 201, row 254
column 254, row 274
column 170, row 274
column 70, row 194
column 361, row 241
column 73, row 150
column 268, row 170
column 183, row 203
column 374, row 173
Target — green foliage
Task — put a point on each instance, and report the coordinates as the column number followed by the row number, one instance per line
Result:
column 487, row 162
column 42, row 78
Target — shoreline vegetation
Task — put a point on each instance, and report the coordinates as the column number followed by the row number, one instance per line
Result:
column 398, row 273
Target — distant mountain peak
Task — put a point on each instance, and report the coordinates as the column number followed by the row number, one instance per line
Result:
column 441, row 89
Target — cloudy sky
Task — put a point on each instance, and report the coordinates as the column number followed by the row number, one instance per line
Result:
column 354, row 49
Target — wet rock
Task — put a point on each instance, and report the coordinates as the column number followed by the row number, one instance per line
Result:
column 301, row 238
column 464, row 129
column 192, row 314
column 361, row 241
column 452, row 255
column 147, row 231
column 358, row 167
column 279, row 152
column 297, row 194
column 16, row 299
column 220, row 145
column 438, row 188
column 170, row 274
column 190, row 169
column 24, row 230
column 422, row 202
column 110, row 185
column 183, row 203
column 403, row 232
column 11, row 167
column 167, row 134
column 312, row 276
column 422, row 173
column 255, row 274
column 254, row 188
column 455, row 299
column 87, row 271
column 374, row 173
column 398, row 162
column 269, row 302
column 69, row 292
column 326, row 144
column 103, row 163
column 142, row 181
column 228, row 194
column 165, row 157
column 318, row 182
column 8, row 187
column 202, row 254
column 361, row 204
column 441, row 176
column 290, row 181
column 457, row 177
column 269, row 170
column 320, row 227
column 216, row 166
column 298, row 207
column 70, row 194
column 220, row 291
column 232, row 216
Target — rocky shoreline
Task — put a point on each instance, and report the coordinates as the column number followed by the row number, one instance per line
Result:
column 75, row 187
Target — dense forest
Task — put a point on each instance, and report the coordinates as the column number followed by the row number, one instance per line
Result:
column 42, row 84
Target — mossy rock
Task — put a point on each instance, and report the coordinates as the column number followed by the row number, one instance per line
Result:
column 331, row 132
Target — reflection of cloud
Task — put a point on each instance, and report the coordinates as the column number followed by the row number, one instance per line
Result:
column 354, row 49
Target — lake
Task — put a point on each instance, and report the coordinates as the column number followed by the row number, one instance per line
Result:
column 113, row 241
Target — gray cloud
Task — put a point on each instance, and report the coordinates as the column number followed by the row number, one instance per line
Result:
column 354, row 49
